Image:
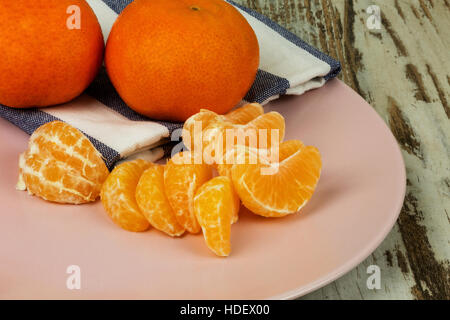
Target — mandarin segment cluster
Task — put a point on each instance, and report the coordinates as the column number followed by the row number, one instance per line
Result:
column 61, row 165
column 272, row 178
column 189, row 194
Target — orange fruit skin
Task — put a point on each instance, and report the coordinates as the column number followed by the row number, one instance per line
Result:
column 215, row 209
column 152, row 200
column 118, row 195
column 283, row 192
column 61, row 165
column 169, row 59
column 42, row 62
column 181, row 182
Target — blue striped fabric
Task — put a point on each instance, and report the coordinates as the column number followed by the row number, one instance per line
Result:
column 266, row 85
column 30, row 119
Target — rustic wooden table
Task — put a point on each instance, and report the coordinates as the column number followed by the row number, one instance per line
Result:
column 403, row 70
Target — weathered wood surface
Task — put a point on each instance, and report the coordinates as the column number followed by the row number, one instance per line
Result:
column 403, row 71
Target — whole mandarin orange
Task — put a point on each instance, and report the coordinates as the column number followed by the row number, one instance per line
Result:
column 169, row 59
column 43, row 61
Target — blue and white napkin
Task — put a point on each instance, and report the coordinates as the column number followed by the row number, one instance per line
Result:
column 288, row 66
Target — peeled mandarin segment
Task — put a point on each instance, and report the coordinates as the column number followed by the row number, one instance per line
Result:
column 209, row 123
column 236, row 205
column 239, row 155
column 53, row 181
column 151, row 199
column 118, row 195
column 246, row 155
column 262, row 132
column 181, row 182
column 245, row 114
column 241, row 115
column 214, row 141
column 285, row 191
column 274, row 125
column 61, row 165
column 214, row 206
column 62, row 142
column 288, row 148
column 225, row 171
column 203, row 118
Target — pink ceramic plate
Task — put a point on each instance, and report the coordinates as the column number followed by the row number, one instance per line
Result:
column 356, row 204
